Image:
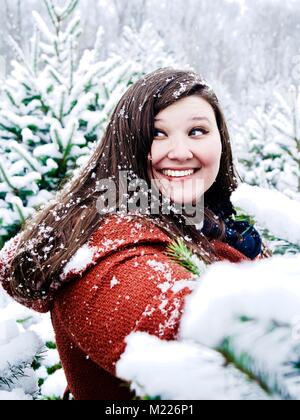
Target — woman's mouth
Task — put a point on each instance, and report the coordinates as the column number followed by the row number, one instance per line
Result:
column 172, row 174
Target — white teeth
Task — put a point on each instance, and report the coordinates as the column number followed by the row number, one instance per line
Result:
column 177, row 174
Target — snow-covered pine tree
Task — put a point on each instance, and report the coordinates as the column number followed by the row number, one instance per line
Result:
column 55, row 105
column 268, row 145
column 20, row 350
column 52, row 110
column 260, row 161
column 273, row 213
column 287, row 125
column 146, row 48
column 29, row 361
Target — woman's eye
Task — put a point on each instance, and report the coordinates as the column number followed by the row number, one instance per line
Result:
column 202, row 130
column 157, row 131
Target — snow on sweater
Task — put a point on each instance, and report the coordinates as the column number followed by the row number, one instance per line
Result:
column 120, row 282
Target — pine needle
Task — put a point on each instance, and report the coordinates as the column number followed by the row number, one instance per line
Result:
column 178, row 251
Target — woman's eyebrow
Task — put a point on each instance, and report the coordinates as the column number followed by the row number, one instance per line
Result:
column 190, row 119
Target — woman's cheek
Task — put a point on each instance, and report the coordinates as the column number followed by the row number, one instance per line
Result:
column 211, row 155
column 210, row 158
column 158, row 152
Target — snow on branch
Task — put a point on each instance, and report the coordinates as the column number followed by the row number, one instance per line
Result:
column 238, row 338
column 271, row 209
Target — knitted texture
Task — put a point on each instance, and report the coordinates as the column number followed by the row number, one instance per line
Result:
column 133, row 289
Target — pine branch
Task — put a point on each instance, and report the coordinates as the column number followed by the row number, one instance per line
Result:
column 55, row 76
column 69, row 9
column 177, row 251
column 247, row 350
column 57, row 140
column 279, row 246
column 9, row 95
column 31, row 161
column 243, row 363
column 15, row 373
column 6, row 179
column 19, row 211
column 241, row 216
column 69, row 144
column 18, row 372
column 35, row 51
column 62, row 106
column 71, row 67
column 51, row 12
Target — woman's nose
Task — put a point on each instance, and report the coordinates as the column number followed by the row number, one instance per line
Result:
column 180, row 151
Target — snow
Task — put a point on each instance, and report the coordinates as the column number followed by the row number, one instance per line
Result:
column 42, row 26
column 114, row 282
column 162, row 268
column 51, row 358
column 17, row 394
column 55, row 385
column 271, row 209
column 47, row 150
column 43, row 328
column 14, row 310
column 177, row 370
column 82, row 258
column 18, row 350
column 23, row 335
column 249, row 290
column 182, row 284
column 191, row 368
column 263, row 292
column 8, row 331
column 39, row 199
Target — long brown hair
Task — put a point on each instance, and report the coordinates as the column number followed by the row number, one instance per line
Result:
column 58, row 230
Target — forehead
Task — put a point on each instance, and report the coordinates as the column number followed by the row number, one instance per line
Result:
column 187, row 108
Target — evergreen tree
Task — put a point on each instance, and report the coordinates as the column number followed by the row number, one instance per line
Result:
column 52, row 108
column 56, row 105
column 146, row 48
column 287, row 126
column 29, row 362
column 20, row 350
column 268, row 145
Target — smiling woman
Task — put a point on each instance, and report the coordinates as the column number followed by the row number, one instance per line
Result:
column 104, row 276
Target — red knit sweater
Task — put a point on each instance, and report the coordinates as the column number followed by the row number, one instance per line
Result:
column 124, row 286
column 123, row 293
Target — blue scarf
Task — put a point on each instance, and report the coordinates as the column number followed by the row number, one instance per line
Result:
column 241, row 235
column 244, row 237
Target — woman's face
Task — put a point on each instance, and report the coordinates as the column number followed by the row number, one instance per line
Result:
column 186, row 151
